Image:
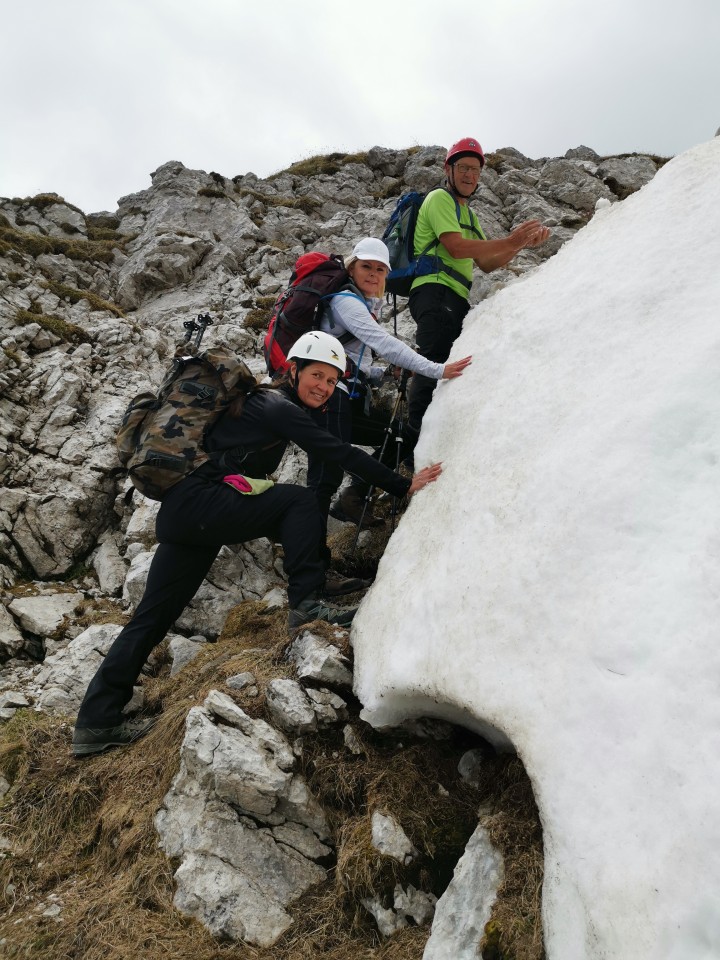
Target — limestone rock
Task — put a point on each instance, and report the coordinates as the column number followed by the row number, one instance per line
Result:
column 328, row 706
column 317, row 660
column 109, row 566
column 389, row 838
column 243, row 681
column 464, row 909
column 183, row 651
column 11, row 639
column 626, row 175
column 242, row 573
column 65, row 675
column 243, row 824
column 290, row 707
column 42, row 615
column 10, row 702
column 470, row 766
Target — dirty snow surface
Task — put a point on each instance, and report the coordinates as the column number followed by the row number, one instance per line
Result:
column 558, row 587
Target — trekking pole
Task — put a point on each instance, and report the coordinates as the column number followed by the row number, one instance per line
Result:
column 399, row 438
column 190, row 327
column 388, row 434
column 203, row 322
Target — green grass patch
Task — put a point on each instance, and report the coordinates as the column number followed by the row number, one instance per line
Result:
column 305, row 203
column 36, row 244
column 259, row 317
column 327, row 163
column 42, row 201
column 657, row 160
column 69, row 332
column 74, row 296
column 103, row 221
column 12, row 355
column 106, row 234
column 494, row 161
column 391, row 190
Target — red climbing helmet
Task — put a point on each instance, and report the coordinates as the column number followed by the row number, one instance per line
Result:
column 467, row 147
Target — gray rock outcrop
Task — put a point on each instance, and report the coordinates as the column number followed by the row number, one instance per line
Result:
column 464, row 909
column 318, row 661
column 243, row 823
column 65, row 675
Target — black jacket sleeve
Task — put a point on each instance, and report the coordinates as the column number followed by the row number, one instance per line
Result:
column 291, row 422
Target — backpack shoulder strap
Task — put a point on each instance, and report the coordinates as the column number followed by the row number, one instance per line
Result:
column 458, row 213
column 349, row 290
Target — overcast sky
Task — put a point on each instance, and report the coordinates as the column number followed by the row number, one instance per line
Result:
column 96, row 94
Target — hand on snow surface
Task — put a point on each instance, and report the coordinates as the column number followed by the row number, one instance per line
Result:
column 456, row 369
column 425, row 476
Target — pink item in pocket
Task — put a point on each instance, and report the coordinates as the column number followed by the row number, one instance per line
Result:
column 239, row 482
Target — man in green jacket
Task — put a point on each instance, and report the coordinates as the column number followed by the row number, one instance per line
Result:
column 447, row 228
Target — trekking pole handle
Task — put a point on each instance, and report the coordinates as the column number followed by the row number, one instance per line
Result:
column 190, row 327
column 204, row 321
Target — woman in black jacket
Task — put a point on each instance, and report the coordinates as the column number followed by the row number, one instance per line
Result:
column 211, row 508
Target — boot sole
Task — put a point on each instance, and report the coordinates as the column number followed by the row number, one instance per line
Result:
column 88, row 749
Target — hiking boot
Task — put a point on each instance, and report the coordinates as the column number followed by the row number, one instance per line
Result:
column 89, row 740
column 349, row 508
column 313, row 608
column 336, row 585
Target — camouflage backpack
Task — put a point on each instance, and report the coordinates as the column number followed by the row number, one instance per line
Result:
column 161, row 439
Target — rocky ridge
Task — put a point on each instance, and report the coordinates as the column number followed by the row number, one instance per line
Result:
column 90, row 309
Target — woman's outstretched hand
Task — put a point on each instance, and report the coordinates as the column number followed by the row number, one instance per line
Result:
column 425, row 476
column 456, row 369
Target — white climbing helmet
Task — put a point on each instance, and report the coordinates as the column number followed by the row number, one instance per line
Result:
column 370, row 248
column 319, row 347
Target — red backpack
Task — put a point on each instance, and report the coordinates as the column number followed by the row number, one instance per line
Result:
column 315, row 277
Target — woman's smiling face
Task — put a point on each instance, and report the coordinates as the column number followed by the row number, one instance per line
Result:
column 369, row 277
column 315, row 383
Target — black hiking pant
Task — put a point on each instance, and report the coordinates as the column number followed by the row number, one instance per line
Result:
column 345, row 418
column 196, row 518
column 439, row 313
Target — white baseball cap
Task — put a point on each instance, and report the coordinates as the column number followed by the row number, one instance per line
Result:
column 369, row 248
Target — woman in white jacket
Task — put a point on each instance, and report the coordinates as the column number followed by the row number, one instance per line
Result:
column 351, row 317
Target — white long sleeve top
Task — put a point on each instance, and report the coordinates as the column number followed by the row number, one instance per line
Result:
column 349, row 313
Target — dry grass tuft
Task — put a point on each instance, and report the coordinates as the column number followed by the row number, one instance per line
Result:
column 96, row 611
column 361, row 560
column 514, row 828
